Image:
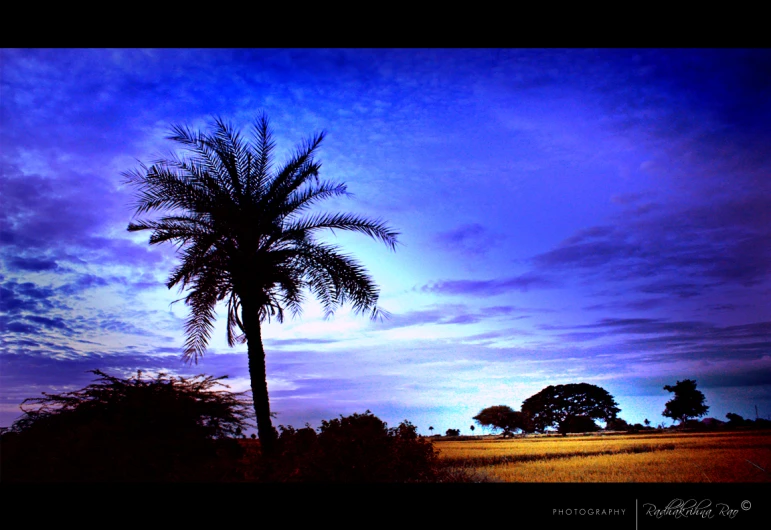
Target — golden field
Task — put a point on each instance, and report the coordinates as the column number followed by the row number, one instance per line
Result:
column 737, row 456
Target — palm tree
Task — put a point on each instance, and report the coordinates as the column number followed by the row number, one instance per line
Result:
column 246, row 238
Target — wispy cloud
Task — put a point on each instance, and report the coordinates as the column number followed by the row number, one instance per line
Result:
column 523, row 282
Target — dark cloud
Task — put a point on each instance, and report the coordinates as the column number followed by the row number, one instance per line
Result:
column 17, row 327
column 31, row 264
column 523, row 282
column 71, row 214
column 26, row 296
column 84, row 282
column 57, row 323
column 673, row 340
column 642, row 304
column 684, row 253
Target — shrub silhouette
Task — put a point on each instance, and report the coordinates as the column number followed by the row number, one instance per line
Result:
column 127, row 430
column 359, row 448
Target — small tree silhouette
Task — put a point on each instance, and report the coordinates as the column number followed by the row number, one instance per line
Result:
column 431, row 429
column 687, row 403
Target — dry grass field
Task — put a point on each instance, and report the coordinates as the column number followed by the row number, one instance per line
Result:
column 737, row 456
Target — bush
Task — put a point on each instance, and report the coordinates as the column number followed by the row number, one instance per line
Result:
column 126, row 430
column 617, row 424
column 359, row 448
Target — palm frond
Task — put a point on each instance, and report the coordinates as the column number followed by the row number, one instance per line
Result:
column 293, row 174
column 262, row 147
column 374, row 228
column 200, row 323
column 336, row 279
column 302, row 199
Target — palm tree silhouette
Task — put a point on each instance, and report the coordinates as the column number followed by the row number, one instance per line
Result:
column 246, row 238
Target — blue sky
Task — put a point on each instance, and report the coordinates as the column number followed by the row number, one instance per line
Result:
column 565, row 216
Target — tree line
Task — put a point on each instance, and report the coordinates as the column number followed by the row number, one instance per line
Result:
column 573, row 408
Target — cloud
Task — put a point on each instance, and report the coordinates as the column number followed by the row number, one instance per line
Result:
column 675, row 340
column 523, row 282
column 57, row 323
column 473, row 239
column 26, row 296
column 84, row 282
column 46, row 223
column 298, row 342
column 446, row 314
column 685, row 252
column 31, row 264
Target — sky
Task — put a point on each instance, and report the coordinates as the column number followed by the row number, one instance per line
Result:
column 565, row 216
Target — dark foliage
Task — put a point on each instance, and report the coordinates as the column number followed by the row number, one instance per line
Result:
column 735, row 420
column 359, row 448
column 555, row 405
column 617, row 424
column 577, row 424
column 687, row 403
column 504, row 418
column 127, row 430
column 452, row 432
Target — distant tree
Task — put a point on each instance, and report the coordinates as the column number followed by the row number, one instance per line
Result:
column 687, row 403
column 647, row 422
column 503, row 417
column 734, row 420
column 557, row 405
column 617, row 424
column 472, row 428
column 161, row 429
column 453, row 432
column 761, row 423
column 431, row 428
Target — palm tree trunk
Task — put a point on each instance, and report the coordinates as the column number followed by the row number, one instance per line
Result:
column 258, row 376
